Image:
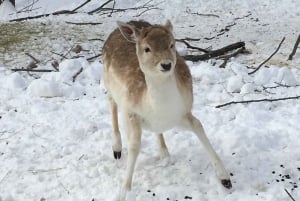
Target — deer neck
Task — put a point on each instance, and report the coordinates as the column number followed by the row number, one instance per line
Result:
column 162, row 89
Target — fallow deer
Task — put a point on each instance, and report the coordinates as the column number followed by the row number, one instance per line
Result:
column 150, row 82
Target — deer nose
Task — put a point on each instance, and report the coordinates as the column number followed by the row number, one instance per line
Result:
column 166, row 67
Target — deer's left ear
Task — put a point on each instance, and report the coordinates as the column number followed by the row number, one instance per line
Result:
column 169, row 25
column 130, row 32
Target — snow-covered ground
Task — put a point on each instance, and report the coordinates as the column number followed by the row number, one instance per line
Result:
column 55, row 134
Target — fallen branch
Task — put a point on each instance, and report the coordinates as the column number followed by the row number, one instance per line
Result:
column 76, row 75
column 228, row 56
column 100, row 7
column 43, row 15
column 295, row 48
column 84, row 23
column 75, row 9
column 94, row 57
column 192, row 47
column 222, row 31
column 60, row 12
column 214, row 53
column 252, row 72
column 61, row 55
column 289, row 194
column 31, row 70
column 258, row 100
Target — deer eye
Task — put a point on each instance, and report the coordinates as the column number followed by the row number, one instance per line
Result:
column 147, row 49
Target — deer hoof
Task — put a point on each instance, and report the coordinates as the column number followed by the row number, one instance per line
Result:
column 226, row 183
column 117, row 154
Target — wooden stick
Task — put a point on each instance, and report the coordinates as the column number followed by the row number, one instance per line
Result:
column 84, row 23
column 258, row 100
column 75, row 9
column 295, row 48
column 214, row 53
column 31, row 70
column 76, row 75
column 192, row 47
column 252, row 72
column 289, row 194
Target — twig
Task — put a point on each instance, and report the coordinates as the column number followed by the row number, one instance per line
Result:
column 192, row 47
column 31, row 70
column 2, row 179
column 84, row 23
column 92, row 39
column 289, row 194
column 188, row 11
column 76, row 75
column 250, row 73
column 295, row 48
column 27, row 7
column 63, row 56
column 222, row 31
column 214, row 53
column 44, row 171
column 228, row 56
column 94, row 57
column 32, row 57
column 100, row 7
column 75, row 9
column 43, row 15
column 258, row 100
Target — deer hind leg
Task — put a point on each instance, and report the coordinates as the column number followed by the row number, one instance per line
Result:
column 193, row 124
column 134, row 131
column 116, row 137
column 163, row 149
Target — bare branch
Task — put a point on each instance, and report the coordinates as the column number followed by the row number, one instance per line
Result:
column 258, row 100
column 192, row 47
column 289, row 194
column 33, row 58
column 94, row 57
column 252, row 72
column 76, row 75
column 31, row 70
column 100, row 7
column 84, row 23
column 214, row 53
column 75, row 9
column 295, row 48
column 228, row 56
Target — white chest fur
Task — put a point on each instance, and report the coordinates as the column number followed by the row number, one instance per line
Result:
column 164, row 106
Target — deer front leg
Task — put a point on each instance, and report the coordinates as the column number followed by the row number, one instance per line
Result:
column 193, row 124
column 116, row 137
column 133, row 130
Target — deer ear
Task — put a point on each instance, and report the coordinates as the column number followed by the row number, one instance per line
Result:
column 129, row 31
column 169, row 26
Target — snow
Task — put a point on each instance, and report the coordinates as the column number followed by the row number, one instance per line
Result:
column 55, row 130
column 6, row 8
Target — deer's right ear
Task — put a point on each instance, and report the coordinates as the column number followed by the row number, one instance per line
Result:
column 128, row 31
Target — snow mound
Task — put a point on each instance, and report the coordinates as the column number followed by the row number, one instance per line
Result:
column 70, row 81
column 235, row 84
column 44, row 88
column 15, row 81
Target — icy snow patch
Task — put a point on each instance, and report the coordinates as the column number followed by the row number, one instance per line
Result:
column 44, row 88
column 15, row 81
column 285, row 76
column 235, row 84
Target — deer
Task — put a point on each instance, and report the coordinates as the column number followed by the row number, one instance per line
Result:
column 150, row 82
